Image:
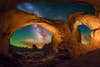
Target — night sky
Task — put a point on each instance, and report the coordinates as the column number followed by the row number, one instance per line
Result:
column 29, row 35
column 54, row 10
column 37, row 34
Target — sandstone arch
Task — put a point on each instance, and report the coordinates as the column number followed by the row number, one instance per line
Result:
column 14, row 20
column 93, row 23
column 80, row 18
column 50, row 28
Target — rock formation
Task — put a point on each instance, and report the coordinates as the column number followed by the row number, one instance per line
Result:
column 93, row 23
column 65, row 35
column 14, row 20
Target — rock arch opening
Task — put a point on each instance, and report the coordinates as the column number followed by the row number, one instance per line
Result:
column 85, row 32
column 30, row 41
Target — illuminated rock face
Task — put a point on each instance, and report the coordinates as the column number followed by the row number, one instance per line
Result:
column 95, row 38
column 93, row 24
column 91, row 21
column 14, row 20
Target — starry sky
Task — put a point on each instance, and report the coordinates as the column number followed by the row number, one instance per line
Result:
column 28, row 35
column 54, row 10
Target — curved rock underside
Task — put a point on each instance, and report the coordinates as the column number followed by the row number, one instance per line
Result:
column 65, row 34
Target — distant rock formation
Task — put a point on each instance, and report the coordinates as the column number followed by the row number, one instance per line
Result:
column 31, row 42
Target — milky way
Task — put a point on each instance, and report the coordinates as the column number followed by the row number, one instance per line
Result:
column 42, row 34
column 29, row 35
